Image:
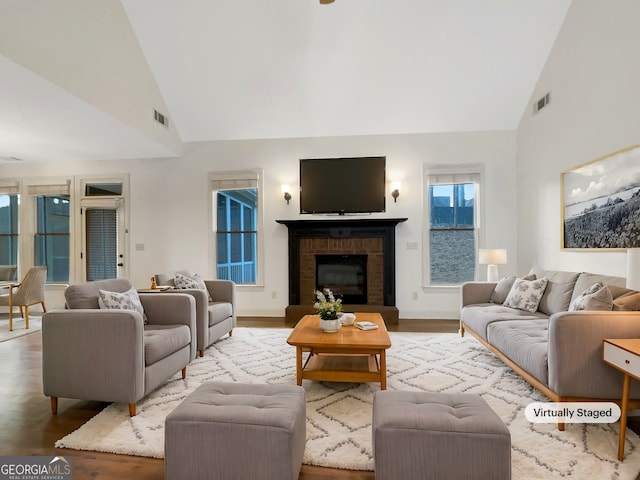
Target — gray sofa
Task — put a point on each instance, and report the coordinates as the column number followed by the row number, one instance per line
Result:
column 557, row 351
column 215, row 307
column 115, row 355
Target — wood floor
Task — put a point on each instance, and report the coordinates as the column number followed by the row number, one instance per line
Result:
column 28, row 428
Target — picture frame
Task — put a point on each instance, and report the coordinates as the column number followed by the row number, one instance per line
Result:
column 601, row 203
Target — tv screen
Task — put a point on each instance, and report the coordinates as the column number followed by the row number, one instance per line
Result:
column 342, row 185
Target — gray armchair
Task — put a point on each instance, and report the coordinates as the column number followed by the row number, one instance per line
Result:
column 112, row 355
column 214, row 318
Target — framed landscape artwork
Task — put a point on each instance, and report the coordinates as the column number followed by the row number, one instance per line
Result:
column 601, row 202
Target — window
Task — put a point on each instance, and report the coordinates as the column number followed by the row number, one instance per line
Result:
column 452, row 233
column 52, row 236
column 9, row 214
column 51, row 203
column 236, row 224
column 236, row 235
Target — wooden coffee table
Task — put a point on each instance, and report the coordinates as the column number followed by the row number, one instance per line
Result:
column 349, row 355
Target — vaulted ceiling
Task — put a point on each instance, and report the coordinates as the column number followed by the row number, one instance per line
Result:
column 79, row 79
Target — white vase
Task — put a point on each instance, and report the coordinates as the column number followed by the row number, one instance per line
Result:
column 330, row 326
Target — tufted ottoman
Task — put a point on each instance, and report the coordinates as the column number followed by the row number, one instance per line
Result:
column 230, row 431
column 418, row 435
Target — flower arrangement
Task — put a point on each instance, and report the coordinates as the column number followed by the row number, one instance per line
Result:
column 326, row 305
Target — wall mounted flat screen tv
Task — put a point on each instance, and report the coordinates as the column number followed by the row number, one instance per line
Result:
column 342, row 185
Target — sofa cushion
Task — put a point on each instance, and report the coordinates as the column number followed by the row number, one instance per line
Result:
column 502, row 289
column 218, row 312
column 596, row 297
column 585, row 280
column 619, row 291
column 160, row 341
column 628, row 302
column 86, row 295
column 526, row 294
column 557, row 295
column 478, row 316
column 526, row 343
column 128, row 300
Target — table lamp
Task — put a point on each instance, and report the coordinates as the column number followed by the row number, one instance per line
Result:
column 492, row 257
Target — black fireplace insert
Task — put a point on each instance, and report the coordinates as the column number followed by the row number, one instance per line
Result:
column 344, row 275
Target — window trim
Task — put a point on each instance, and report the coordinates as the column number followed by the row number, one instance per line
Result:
column 452, row 171
column 230, row 180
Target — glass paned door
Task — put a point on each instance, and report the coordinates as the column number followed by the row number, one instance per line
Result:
column 103, row 237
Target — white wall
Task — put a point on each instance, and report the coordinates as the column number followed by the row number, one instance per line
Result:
column 593, row 75
column 107, row 69
column 169, row 205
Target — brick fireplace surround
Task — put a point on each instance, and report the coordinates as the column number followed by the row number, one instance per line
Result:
column 372, row 237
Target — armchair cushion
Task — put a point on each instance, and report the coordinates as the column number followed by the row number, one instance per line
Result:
column 219, row 311
column 128, row 300
column 160, row 341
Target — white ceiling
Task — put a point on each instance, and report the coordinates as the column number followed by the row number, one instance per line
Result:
column 247, row 69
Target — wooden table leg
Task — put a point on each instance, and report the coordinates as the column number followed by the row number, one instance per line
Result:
column 299, row 365
column 623, row 416
column 383, row 369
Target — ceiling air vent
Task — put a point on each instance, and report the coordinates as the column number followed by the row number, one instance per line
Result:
column 543, row 102
column 161, row 118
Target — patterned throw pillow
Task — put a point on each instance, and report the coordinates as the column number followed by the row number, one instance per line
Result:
column 128, row 300
column 526, row 294
column 195, row 282
column 596, row 297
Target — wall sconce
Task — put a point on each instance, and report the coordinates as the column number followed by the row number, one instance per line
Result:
column 286, row 189
column 395, row 190
column 492, row 258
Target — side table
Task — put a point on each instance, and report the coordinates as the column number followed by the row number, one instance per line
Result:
column 624, row 355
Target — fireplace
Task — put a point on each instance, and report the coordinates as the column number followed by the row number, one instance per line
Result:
column 344, row 275
column 372, row 241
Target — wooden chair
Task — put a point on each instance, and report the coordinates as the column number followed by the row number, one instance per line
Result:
column 28, row 292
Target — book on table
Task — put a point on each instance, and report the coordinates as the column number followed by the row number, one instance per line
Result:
column 366, row 325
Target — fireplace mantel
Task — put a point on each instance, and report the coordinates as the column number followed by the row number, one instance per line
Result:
column 369, row 228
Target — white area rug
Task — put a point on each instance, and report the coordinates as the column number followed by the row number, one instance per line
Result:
column 339, row 414
column 35, row 325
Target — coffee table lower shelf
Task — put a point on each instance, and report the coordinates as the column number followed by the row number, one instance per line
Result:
column 331, row 367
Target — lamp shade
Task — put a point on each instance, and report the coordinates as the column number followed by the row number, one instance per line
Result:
column 633, row 268
column 492, row 256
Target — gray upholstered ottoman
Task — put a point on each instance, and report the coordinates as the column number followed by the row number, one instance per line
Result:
column 230, row 431
column 419, row 435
